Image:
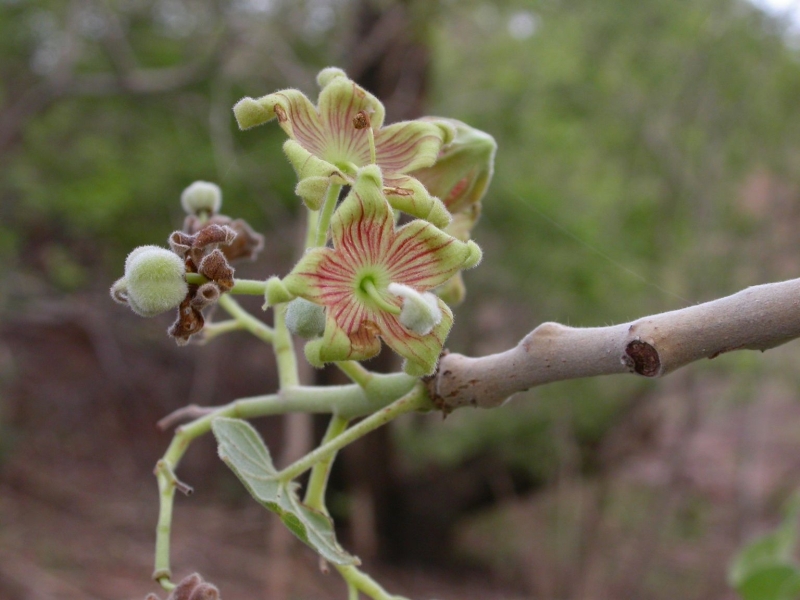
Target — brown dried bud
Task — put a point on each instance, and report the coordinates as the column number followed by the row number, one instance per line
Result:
column 205, row 591
column 245, row 244
column 190, row 321
column 361, row 120
column 191, row 588
column 180, row 243
column 184, row 590
column 215, row 267
column 213, row 234
column 206, row 295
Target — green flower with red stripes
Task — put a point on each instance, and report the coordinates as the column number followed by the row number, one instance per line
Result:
column 328, row 143
column 374, row 281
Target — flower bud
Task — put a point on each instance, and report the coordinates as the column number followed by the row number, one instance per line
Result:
column 304, row 318
column 201, row 197
column 421, row 312
column 154, row 281
column 463, row 170
column 276, row 292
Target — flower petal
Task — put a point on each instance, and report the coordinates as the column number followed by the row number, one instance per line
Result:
column 362, row 228
column 298, row 117
column 420, row 351
column 341, row 99
column 464, row 168
column 409, row 145
column 316, row 274
column 423, row 256
column 336, row 344
column 310, row 167
column 409, row 196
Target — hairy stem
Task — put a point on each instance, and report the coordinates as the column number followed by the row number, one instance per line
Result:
column 345, row 401
column 288, row 375
column 416, row 399
column 258, row 328
column 245, row 287
column 365, row 584
column 326, row 213
column 212, row 330
column 355, row 371
column 318, row 480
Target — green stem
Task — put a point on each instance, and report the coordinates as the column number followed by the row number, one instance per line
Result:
column 355, row 371
column 212, row 330
column 257, row 328
column 351, row 399
column 311, row 228
column 416, row 399
column 288, row 375
column 166, row 491
column 247, row 287
column 371, row 136
column 326, row 213
column 318, row 480
column 364, row 583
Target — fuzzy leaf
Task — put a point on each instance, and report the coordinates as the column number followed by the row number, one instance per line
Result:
column 243, row 450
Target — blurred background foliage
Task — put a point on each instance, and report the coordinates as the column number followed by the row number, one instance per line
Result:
column 649, row 158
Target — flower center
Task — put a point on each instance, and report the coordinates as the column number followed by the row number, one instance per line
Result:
column 367, row 291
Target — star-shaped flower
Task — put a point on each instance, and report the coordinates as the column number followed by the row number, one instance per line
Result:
column 354, row 281
column 331, row 141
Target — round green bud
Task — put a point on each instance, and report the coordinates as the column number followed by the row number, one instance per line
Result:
column 154, row 280
column 201, row 197
column 304, row 318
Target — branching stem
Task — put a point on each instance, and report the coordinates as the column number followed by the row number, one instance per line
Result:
column 356, row 372
column 416, row 399
column 318, row 481
column 258, row 328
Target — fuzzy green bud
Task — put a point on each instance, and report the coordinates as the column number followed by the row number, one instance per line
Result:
column 304, row 318
column 201, row 197
column 276, row 292
column 154, row 281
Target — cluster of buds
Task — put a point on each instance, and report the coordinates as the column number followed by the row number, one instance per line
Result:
column 155, row 277
column 377, row 280
column 366, row 278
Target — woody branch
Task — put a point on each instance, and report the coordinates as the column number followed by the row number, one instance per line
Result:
column 757, row 318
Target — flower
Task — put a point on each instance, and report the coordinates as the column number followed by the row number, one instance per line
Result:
column 354, row 281
column 463, row 169
column 330, row 142
column 460, row 177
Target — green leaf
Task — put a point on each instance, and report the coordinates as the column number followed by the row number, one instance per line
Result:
column 773, row 549
column 769, row 583
column 243, row 450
